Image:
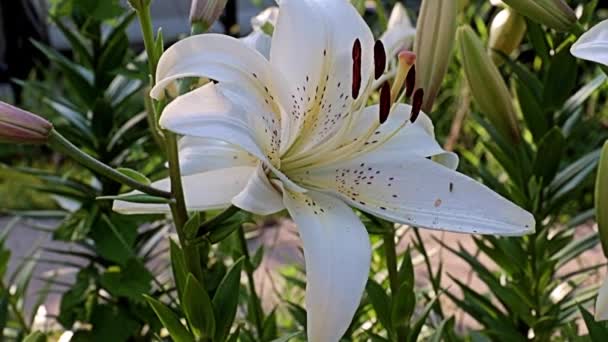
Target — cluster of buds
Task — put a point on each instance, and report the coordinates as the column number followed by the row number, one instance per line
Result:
column 20, row 126
column 552, row 13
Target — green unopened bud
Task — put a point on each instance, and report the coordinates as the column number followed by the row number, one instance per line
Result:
column 139, row 5
column 487, row 86
column 20, row 126
column 601, row 199
column 506, row 33
column 435, row 32
column 553, row 13
column 206, row 12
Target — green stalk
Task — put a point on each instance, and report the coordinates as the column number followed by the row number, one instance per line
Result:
column 61, row 144
column 178, row 209
column 429, row 269
column 390, row 253
column 257, row 308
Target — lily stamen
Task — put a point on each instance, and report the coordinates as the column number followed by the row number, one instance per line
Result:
column 416, row 104
column 406, row 62
column 356, row 68
column 385, row 101
column 379, row 59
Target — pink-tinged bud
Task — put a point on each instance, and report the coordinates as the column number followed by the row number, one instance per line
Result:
column 206, row 12
column 20, row 126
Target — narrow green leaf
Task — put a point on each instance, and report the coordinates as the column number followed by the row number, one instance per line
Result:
column 178, row 266
column 445, row 326
column 288, row 337
column 141, row 178
column 226, row 300
column 178, row 332
column 403, row 304
column 601, row 198
column 136, row 198
column 192, row 225
column 380, row 302
column 597, row 330
column 561, row 78
column 198, row 308
column 549, row 155
column 36, row 336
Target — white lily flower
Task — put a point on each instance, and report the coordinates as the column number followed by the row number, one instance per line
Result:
column 258, row 38
column 593, row 44
column 294, row 132
column 400, row 32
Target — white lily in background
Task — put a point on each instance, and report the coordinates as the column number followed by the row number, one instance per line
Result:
column 293, row 132
column 601, row 303
column 400, row 32
column 259, row 38
column 593, row 44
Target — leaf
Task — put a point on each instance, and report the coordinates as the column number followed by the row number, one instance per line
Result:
column 560, row 79
column 77, row 42
column 597, row 330
column 532, row 111
column 139, row 177
column 192, row 225
column 226, row 300
column 104, row 321
column 137, row 198
column 381, row 304
column 577, row 100
column 288, row 337
column 114, row 237
column 178, row 266
column 601, row 198
column 170, row 321
column 549, row 155
column 406, row 270
column 403, row 304
column 76, row 226
column 536, row 35
column 198, row 308
column 36, row 336
column 443, row 329
column 131, row 281
column 257, row 258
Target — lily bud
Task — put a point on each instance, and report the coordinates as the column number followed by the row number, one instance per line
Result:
column 206, row 12
column 487, row 85
column 433, row 46
column 139, row 5
column 20, row 126
column 553, row 13
column 506, row 33
column 601, row 201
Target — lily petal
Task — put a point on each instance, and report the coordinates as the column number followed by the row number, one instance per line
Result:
column 259, row 41
column 207, row 113
column 198, row 155
column 601, row 303
column 259, row 196
column 317, row 64
column 202, row 191
column 338, row 253
column 417, row 191
column 593, row 44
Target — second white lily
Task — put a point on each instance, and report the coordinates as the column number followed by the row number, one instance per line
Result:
column 293, row 131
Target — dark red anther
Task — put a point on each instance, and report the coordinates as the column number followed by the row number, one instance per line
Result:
column 379, row 59
column 410, row 81
column 356, row 68
column 416, row 104
column 385, row 101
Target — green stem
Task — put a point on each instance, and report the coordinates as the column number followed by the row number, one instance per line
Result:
column 429, row 269
column 390, row 252
column 145, row 22
column 60, row 143
column 178, row 209
column 215, row 220
column 257, row 308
